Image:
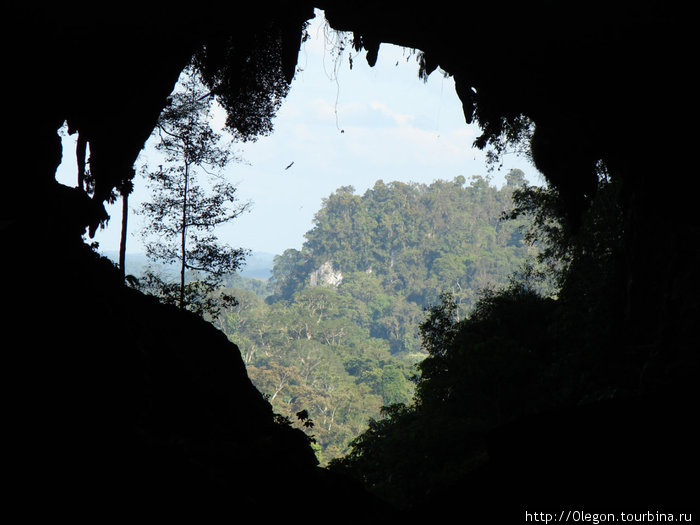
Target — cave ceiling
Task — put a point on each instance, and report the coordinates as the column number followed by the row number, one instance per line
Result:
column 592, row 76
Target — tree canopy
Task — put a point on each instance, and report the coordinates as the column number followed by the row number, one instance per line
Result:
column 336, row 330
column 522, row 349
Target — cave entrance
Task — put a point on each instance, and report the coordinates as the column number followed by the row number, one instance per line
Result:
column 342, row 124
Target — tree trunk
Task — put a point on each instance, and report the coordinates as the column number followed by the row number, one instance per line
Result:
column 80, row 152
column 184, row 237
column 122, row 241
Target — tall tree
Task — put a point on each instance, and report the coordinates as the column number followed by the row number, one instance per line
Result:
column 182, row 214
column 124, row 190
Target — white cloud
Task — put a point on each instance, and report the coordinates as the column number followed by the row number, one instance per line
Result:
column 401, row 119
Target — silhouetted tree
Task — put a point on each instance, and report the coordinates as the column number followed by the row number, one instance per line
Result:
column 181, row 215
column 124, row 190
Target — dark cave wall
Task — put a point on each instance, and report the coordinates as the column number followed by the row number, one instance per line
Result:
column 119, row 407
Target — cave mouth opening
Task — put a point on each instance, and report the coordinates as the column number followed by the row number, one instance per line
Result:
column 658, row 328
column 342, row 123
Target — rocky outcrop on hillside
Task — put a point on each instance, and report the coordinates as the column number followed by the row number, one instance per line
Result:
column 325, row 275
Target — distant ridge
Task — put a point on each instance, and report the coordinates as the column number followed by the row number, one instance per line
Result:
column 258, row 264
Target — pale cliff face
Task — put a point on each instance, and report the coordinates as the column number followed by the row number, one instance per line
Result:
column 324, row 275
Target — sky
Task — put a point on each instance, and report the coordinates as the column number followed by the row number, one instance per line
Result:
column 339, row 126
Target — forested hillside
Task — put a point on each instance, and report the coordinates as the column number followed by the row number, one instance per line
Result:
column 335, row 331
column 518, row 352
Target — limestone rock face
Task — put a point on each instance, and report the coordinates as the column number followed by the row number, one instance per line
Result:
column 325, row 275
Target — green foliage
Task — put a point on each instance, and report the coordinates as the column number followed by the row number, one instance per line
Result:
column 518, row 352
column 288, row 274
column 342, row 349
column 414, row 240
column 307, row 355
column 260, row 287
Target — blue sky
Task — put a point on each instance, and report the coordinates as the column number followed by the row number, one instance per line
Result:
column 340, row 127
